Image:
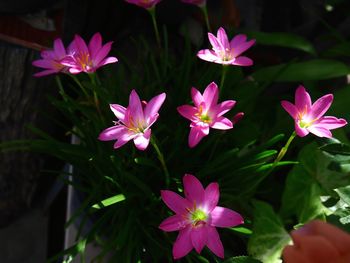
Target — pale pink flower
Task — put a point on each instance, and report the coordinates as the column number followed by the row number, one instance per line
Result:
column 206, row 113
column 227, row 52
column 83, row 58
column 144, row 3
column 200, row 3
column 196, row 217
column 51, row 59
column 134, row 122
column 309, row 117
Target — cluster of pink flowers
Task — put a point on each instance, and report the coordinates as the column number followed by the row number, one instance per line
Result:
column 77, row 58
column 197, row 215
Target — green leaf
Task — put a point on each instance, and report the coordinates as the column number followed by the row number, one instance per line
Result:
column 109, row 201
column 336, row 148
column 269, row 236
column 316, row 69
column 339, row 50
column 242, row 230
column 283, row 40
column 241, row 259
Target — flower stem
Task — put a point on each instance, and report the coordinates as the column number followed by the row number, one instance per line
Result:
column 152, row 12
column 162, row 161
column 223, row 77
column 93, row 78
column 284, row 149
column 206, row 17
column 61, row 89
column 77, row 81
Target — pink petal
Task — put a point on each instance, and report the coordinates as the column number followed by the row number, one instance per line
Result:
column 302, row 100
column 290, row 108
column 214, row 242
column 237, row 40
column 301, row 132
column 214, row 42
column 222, row 38
column 209, row 55
column 102, row 53
column 43, row 63
column 188, row 112
column 135, row 107
column 199, row 238
column 242, row 47
column 321, row 106
column 45, row 73
column 193, row 188
column 76, row 70
column 59, row 48
column 95, row 44
column 320, row 131
column 224, row 217
column 175, row 202
column 112, row 133
column 223, row 107
column 118, row 110
column 68, row 61
column 80, row 45
column 141, row 141
column 196, row 97
column 183, row 244
column 154, row 105
column 242, row 61
column 211, row 95
column 330, row 122
column 211, row 196
column 152, row 120
column 173, row 223
column 221, row 123
column 106, row 61
column 196, row 135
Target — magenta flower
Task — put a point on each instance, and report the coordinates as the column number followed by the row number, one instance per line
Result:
column 196, row 217
column 206, row 113
column 309, row 117
column 134, row 122
column 89, row 58
column 225, row 52
column 51, row 59
column 144, row 3
column 200, row 3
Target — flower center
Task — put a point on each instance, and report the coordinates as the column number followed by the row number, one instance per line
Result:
column 85, row 61
column 203, row 116
column 226, row 55
column 198, row 217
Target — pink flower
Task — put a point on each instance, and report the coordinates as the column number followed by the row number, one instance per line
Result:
column 309, row 117
column 225, row 52
column 196, row 217
column 89, row 58
column 195, row 2
column 51, row 59
column 144, row 3
column 206, row 113
column 134, row 122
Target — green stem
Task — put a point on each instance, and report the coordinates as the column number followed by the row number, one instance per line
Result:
column 152, row 12
column 93, row 80
column 76, row 80
column 60, row 88
column 223, row 77
column 206, row 17
column 284, row 149
column 162, row 161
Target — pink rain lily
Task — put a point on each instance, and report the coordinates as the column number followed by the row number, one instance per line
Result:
column 148, row 4
column 134, row 122
column 206, row 113
column 199, row 3
column 309, row 117
column 227, row 52
column 89, row 58
column 196, row 217
column 51, row 59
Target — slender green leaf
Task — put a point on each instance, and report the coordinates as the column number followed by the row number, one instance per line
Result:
column 109, row 201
